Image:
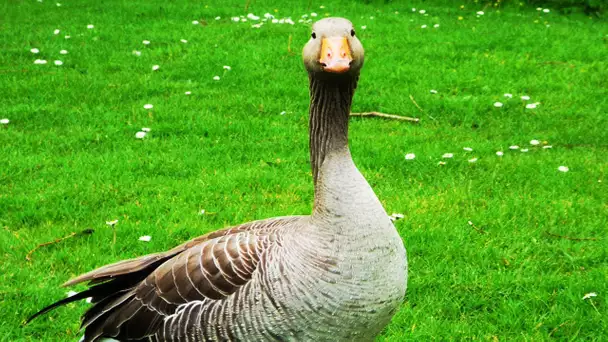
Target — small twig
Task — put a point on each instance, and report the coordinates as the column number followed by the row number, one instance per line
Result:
column 386, row 116
column 569, row 237
column 479, row 230
column 557, row 327
column 289, row 44
column 247, row 5
column 420, row 108
column 416, row 104
column 84, row 232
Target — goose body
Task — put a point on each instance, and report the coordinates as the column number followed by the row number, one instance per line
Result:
column 338, row 274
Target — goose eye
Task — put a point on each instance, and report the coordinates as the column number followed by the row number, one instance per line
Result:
column 314, row 35
column 352, row 33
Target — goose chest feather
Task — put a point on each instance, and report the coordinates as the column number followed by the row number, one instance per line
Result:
column 338, row 274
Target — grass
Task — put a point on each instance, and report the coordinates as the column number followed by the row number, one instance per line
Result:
column 70, row 160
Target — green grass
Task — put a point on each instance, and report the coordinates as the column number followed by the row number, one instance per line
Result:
column 70, row 160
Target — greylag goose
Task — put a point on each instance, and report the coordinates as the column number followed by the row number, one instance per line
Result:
column 338, row 274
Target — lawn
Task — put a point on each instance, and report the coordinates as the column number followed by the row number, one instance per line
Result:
column 500, row 247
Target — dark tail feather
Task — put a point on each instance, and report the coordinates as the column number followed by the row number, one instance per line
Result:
column 110, row 288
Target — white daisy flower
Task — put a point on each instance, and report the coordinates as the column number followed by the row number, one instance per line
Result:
column 40, row 61
column 563, row 169
column 253, row 16
column 539, row 8
column 498, row 104
column 534, row 142
column 148, row 106
column 145, row 129
column 270, row 16
column 140, row 135
column 313, row 14
column 56, row 31
column 283, row 113
column 513, row 147
column 525, row 97
column 90, row 26
column 363, row 27
column 436, row 25
column 145, row 238
column 202, row 212
column 546, row 10
column 413, row 10
column 34, row 50
column 235, row 19
column 188, row 93
column 227, row 67
column 321, row 6
column 195, row 22
column 67, row 37
column 4, row 121
column 155, row 67
column 58, row 5
column 216, row 78
column 410, row 156
column 275, row 21
column 58, row 62
column 441, row 163
column 468, row 149
column 112, row 223
column 146, row 42
column 433, row 91
column 447, row 155
column 589, row 295
column 499, row 153
column 547, row 146
column 63, row 52
column 423, row 26
column 472, row 160
column 183, row 41
column 524, row 150
column 531, row 105
column 480, row 13
column 507, row 95
column 422, row 11
column 136, row 53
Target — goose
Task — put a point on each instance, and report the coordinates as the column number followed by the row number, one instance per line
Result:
column 338, row 274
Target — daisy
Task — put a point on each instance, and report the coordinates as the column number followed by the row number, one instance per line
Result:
column 145, row 129
column 63, row 52
column 195, row 22
column 4, row 121
column 216, row 78
column 468, row 149
column 40, row 61
column 145, row 238
column 589, row 295
column 507, row 95
column 499, row 153
column 472, row 160
column 140, row 135
column 155, row 67
column 146, row 42
column 58, row 62
column 436, row 25
column 56, row 31
column 188, row 93
column 498, row 104
column 423, row 26
column 148, row 106
column 34, row 50
column 531, row 105
column 563, row 169
column 90, row 26
column 433, row 91
column 410, row 156
column 447, row 155
column 480, row 13
column 183, row 41
column 513, row 147
column 525, row 97
column 534, row 142
column 227, row 67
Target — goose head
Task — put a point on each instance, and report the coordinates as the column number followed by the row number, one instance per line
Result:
column 333, row 49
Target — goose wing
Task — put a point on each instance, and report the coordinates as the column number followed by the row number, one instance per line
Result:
column 133, row 297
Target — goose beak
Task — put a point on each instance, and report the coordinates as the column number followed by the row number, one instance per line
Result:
column 335, row 55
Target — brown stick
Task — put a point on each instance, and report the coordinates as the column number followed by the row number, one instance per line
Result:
column 386, row 116
column 569, row 237
column 247, row 5
column 84, row 232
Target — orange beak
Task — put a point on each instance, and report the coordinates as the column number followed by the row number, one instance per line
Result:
column 335, row 55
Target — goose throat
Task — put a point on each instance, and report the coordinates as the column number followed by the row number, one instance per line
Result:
column 330, row 101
